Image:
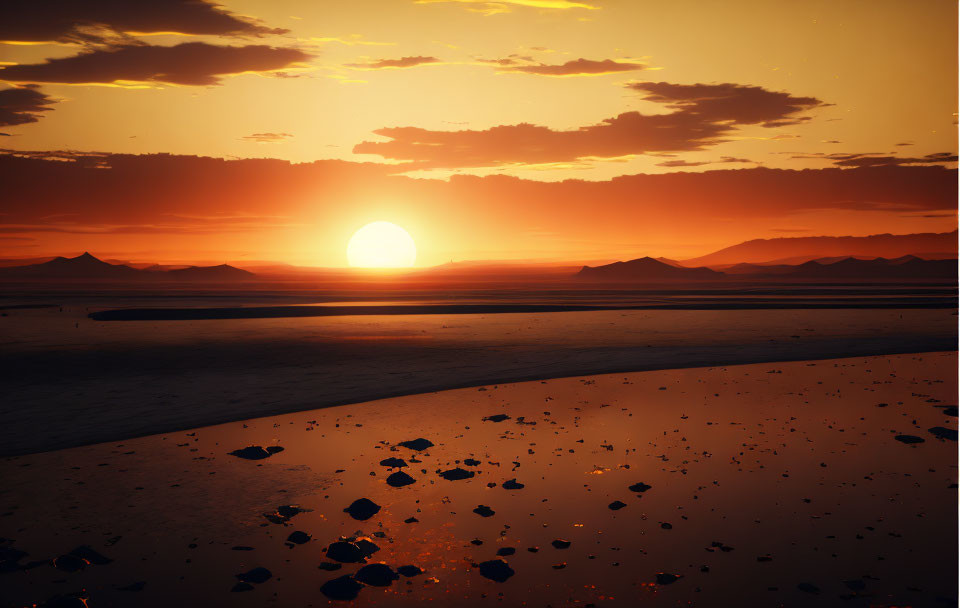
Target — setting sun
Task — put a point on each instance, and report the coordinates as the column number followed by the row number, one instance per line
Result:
column 381, row 245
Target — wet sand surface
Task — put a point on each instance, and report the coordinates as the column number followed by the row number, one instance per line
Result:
column 821, row 483
column 69, row 380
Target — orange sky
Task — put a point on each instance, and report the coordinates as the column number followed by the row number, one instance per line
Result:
column 544, row 90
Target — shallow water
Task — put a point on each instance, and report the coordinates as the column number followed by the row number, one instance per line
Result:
column 70, row 381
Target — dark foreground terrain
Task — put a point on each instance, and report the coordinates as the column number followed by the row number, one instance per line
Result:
column 826, row 483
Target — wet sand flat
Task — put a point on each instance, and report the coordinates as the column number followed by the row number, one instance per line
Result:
column 69, row 380
column 826, row 483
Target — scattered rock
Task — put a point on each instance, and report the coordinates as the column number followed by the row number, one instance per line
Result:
column 496, row 570
column 376, row 575
column 257, row 575
column 343, row 588
column 409, row 571
column 399, row 479
column 908, row 439
column 346, row 552
column 419, row 444
column 362, row 509
column 457, row 474
column 941, row 432
column 298, row 537
column 255, row 452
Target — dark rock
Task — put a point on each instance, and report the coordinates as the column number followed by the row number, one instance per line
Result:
column 505, row 551
column 497, row 418
column 346, row 552
column 255, row 452
column 512, row 484
column 399, row 479
column 242, row 587
column 288, row 511
column 457, row 474
column 484, row 511
column 329, row 566
column 417, row 444
column 393, row 463
column 376, row 575
column 362, row 509
column 616, row 505
column 666, row 525
column 665, row 578
column 367, row 547
column 257, row 575
column 639, row 487
column 411, row 520
column 409, row 571
column 298, row 537
column 560, row 544
column 496, row 570
column 941, row 432
column 241, row 548
column 343, row 588
column 908, row 439
column 471, row 462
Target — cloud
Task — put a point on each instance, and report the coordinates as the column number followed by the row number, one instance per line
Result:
column 575, row 67
column 403, row 62
column 504, row 6
column 703, row 115
column 189, row 63
column 723, row 160
column 93, row 21
column 204, row 192
column 267, row 138
column 874, row 159
column 20, row 106
column 741, row 104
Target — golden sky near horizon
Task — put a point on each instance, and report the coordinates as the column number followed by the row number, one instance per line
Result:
column 545, row 90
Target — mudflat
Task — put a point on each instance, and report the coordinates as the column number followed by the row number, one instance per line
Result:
column 827, row 483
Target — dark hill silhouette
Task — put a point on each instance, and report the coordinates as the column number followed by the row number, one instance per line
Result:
column 88, row 267
column 646, row 269
column 905, row 267
column 800, row 249
column 83, row 266
column 223, row 272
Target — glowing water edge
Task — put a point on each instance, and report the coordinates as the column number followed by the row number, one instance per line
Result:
column 778, row 484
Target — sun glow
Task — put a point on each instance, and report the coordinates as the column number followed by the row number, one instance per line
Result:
column 381, row 245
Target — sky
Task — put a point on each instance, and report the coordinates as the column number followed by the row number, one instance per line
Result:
column 526, row 129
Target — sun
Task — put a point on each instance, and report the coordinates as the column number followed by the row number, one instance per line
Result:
column 381, row 245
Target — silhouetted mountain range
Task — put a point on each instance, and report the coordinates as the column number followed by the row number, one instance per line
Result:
column 646, row 269
column 846, row 268
column 797, row 250
column 88, row 267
